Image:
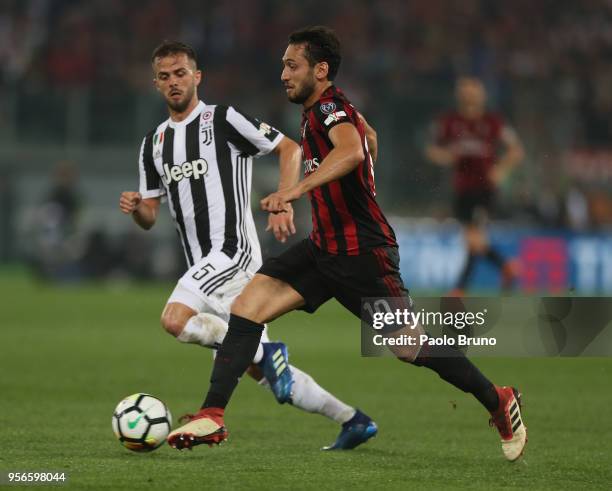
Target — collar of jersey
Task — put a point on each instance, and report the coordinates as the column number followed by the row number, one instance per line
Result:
column 192, row 115
column 326, row 93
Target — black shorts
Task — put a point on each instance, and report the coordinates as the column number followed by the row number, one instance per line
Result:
column 474, row 206
column 318, row 276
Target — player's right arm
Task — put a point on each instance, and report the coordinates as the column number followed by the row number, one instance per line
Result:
column 439, row 155
column 345, row 156
column 143, row 204
column 436, row 150
column 143, row 211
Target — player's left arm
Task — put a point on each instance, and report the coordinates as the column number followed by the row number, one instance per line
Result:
column 255, row 138
column 512, row 155
column 289, row 158
column 371, row 138
column 342, row 159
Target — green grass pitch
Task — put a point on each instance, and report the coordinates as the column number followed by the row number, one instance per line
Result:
column 68, row 355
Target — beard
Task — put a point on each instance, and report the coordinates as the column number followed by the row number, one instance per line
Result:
column 306, row 90
column 181, row 105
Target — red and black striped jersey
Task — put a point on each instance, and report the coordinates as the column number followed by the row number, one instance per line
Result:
column 346, row 218
column 475, row 143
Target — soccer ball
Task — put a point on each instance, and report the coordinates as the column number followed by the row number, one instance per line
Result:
column 141, row 422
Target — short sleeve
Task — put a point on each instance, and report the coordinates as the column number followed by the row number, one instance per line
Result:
column 332, row 112
column 250, row 135
column 150, row 182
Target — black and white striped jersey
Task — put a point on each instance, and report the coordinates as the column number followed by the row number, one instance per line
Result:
column 203, row 166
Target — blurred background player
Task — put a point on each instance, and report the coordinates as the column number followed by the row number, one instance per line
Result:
column 200, row 160
column 468, row 139
column 54, row 245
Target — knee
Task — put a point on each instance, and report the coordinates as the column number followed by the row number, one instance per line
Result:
column 408, row 355
column 243, row 308
column 172, row 324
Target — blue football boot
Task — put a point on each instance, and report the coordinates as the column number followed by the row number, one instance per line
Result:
column 275, row 365
column 357, row 430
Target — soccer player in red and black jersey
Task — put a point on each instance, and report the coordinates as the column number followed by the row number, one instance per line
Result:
column 468, row 140
column 350, row 254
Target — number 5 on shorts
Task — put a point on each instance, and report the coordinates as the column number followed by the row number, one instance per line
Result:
column 203, row 271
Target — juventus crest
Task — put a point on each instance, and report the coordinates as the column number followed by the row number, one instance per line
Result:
column 207, row 135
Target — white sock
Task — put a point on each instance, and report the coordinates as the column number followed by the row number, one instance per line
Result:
column 259, row 354
column 309, row 396
column 208, row 330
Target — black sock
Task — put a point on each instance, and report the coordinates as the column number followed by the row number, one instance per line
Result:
column 467, row 271
column 233, row 358
column 495, row 257
column 453, row 366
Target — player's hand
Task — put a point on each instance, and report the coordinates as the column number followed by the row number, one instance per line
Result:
column 281, row 224
column 453, row 152
column 444, row 156
column 497, row 175
column 129, row 201
column 278, row 201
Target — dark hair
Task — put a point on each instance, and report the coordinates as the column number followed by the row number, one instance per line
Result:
column 322, row 44
column 168, row 48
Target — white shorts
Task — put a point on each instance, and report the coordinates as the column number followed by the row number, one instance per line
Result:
column 211, row 285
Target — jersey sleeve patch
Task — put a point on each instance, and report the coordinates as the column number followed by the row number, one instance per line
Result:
column 332, row 112
column 334, row 117
column 251, row 135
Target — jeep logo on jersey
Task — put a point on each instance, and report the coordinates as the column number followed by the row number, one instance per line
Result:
column 194, row 169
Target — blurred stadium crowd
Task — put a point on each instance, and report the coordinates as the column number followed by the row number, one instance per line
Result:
column 76, row 74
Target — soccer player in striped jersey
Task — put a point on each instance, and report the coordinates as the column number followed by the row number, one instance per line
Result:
column 350, row 254
column 200, row 161
column 467, row 140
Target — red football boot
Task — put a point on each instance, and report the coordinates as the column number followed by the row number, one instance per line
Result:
column 206, row 426
column 509, row 422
